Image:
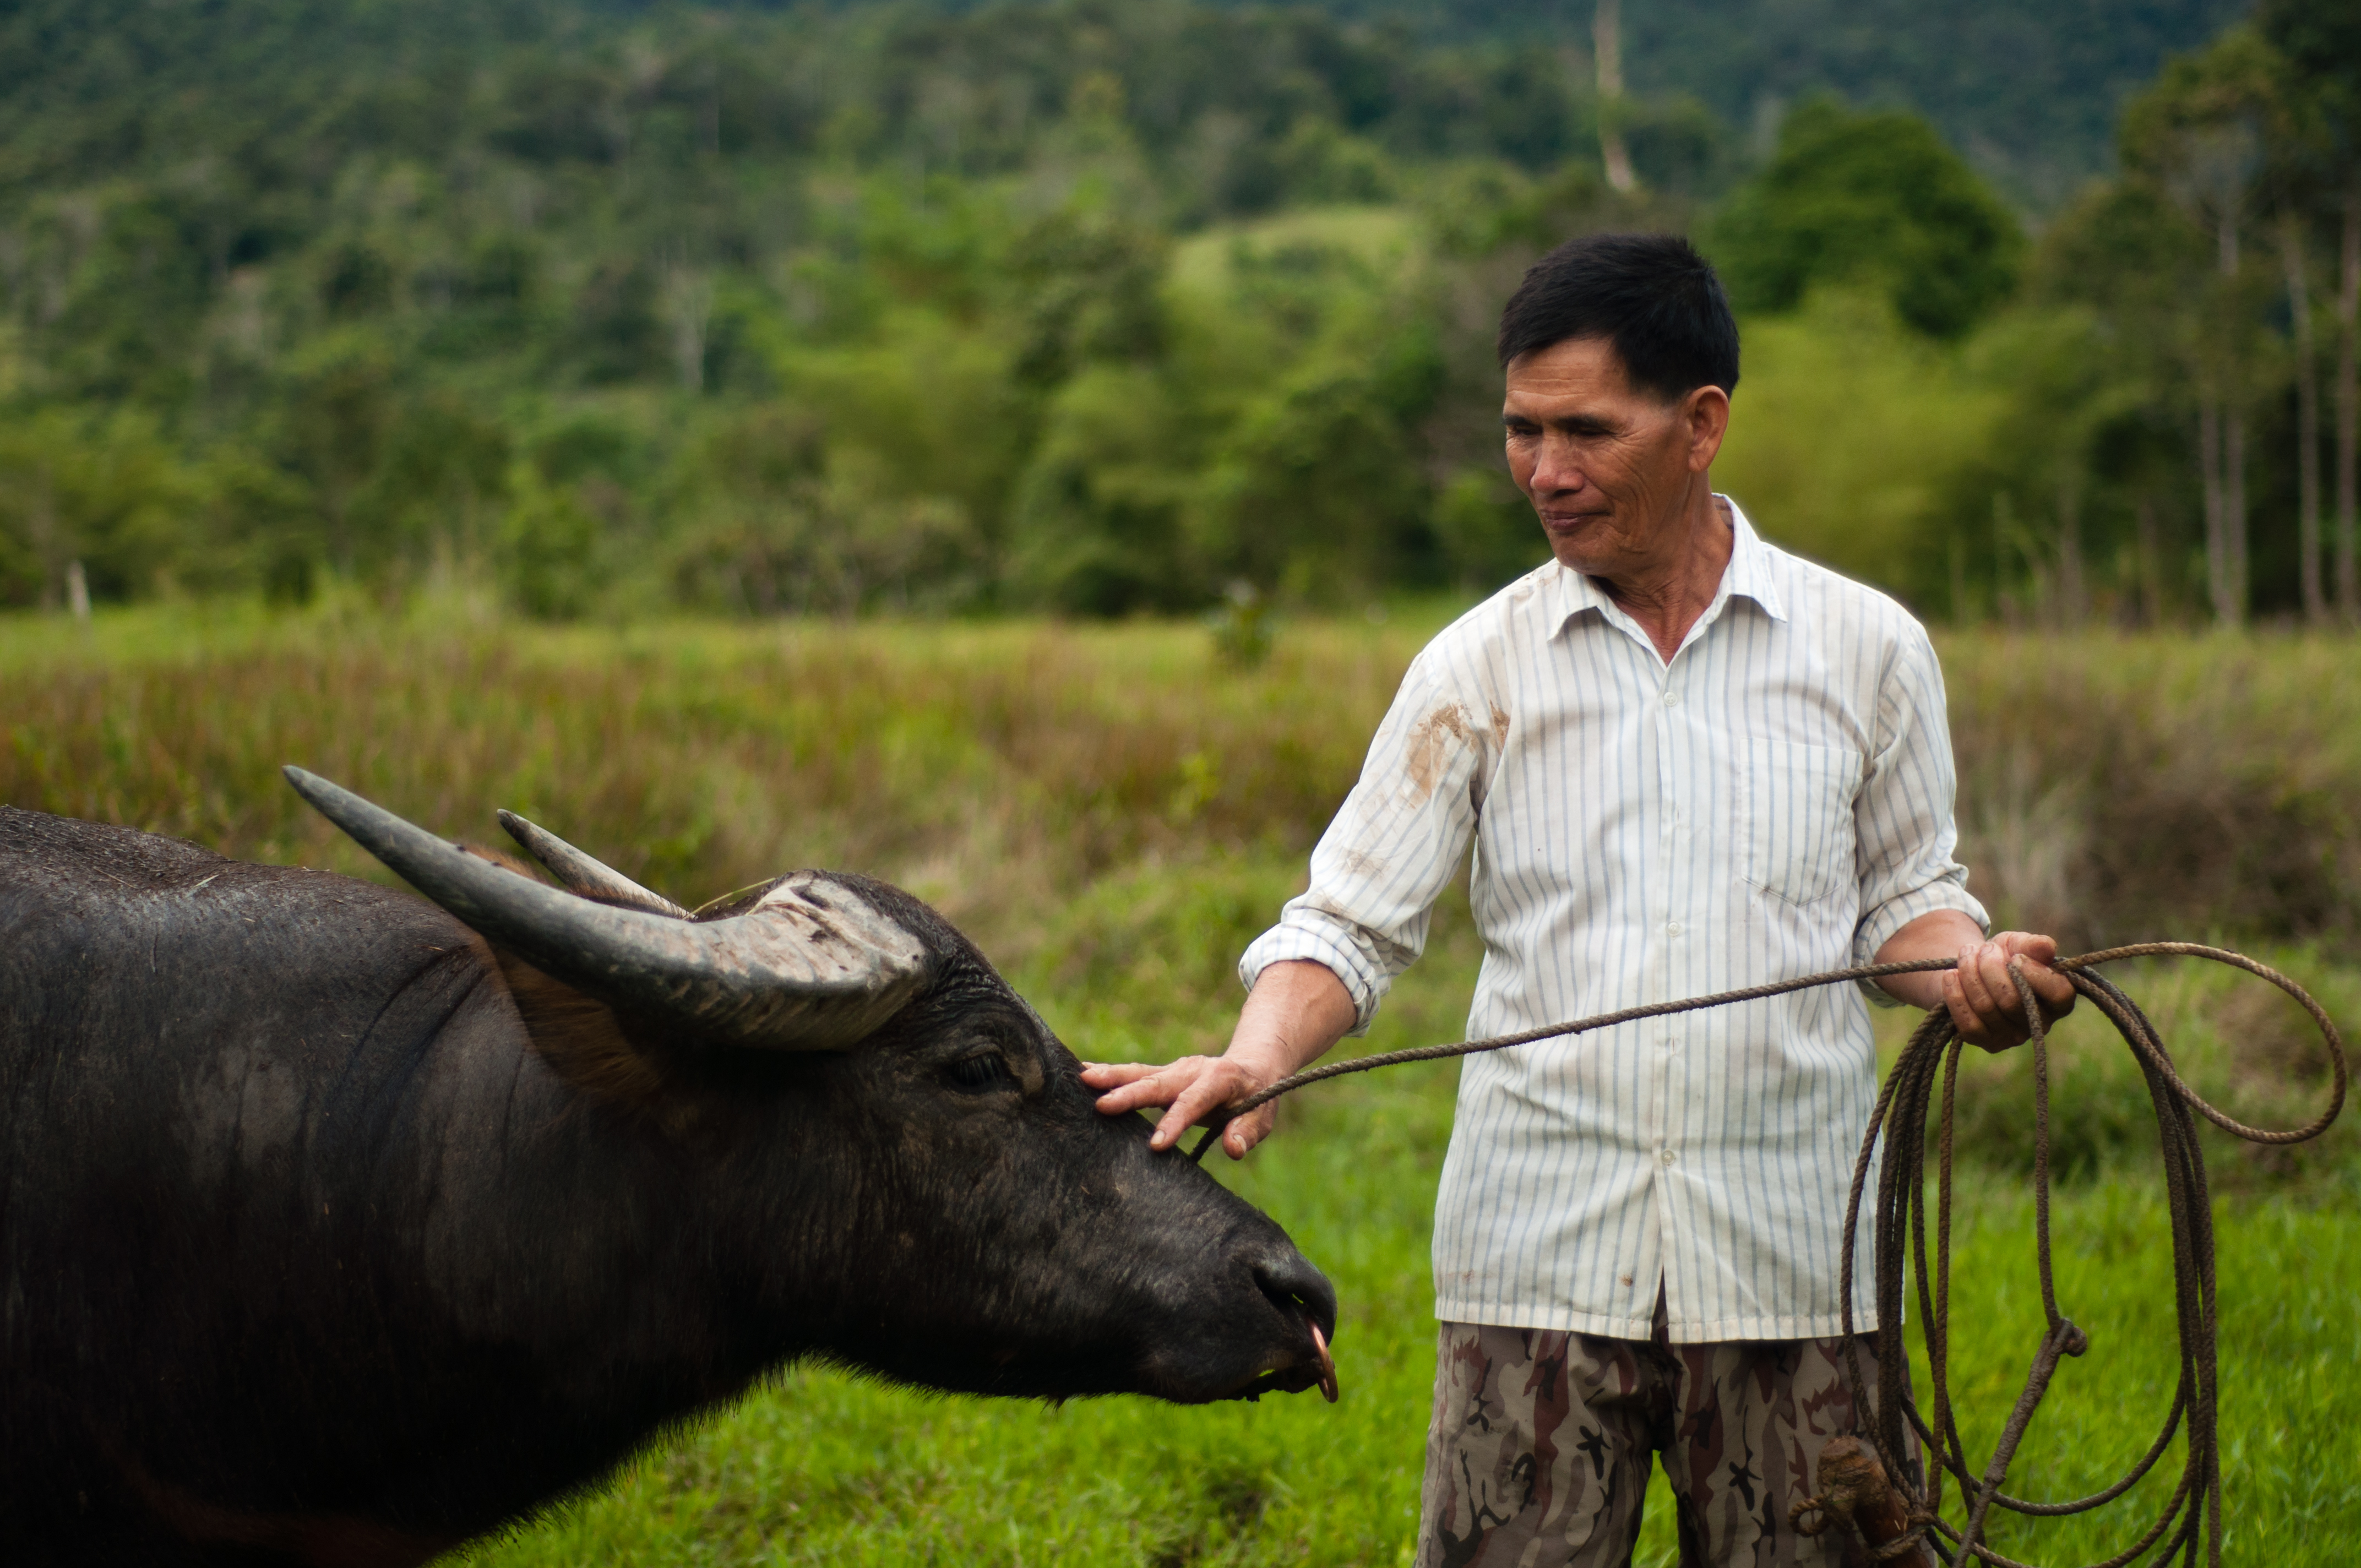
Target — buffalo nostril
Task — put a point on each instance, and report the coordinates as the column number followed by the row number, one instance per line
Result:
column 1293, row 1285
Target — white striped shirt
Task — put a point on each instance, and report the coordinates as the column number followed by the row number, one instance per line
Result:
column 1774, row 801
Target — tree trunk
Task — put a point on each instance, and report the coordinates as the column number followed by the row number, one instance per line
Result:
column 2306, row 421
column 688, row 297
column 1606, row 45
column 2073, row 601
column 2227, row 550
column 47, row 546
column 709, row 122
column 2234, row 512
column 2149, row 544
column 2005, row 602
column 2348, row 407
column 2209, row 468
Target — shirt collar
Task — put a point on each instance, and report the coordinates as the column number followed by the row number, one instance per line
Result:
column 1749, row 576
column 1750, row 571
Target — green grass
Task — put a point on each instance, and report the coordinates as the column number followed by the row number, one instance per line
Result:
column 824, row 1468
column 1113, row 814
column 827, row 1468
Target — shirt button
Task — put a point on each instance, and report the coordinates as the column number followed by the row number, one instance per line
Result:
column 1672, row 699
column 1667, row 1155
column 1672, row 928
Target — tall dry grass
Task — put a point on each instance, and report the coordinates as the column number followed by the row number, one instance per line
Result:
column 2110, row 788
column 987, row 767
column 1113, row 812
column 2118, row 788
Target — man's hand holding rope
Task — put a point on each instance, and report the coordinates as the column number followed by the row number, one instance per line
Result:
column 1980, row 996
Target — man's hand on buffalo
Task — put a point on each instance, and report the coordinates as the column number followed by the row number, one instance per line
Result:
column 1981, row 998
column 1296, row 1010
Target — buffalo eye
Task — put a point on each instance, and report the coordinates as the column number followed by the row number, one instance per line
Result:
column 985, row 1070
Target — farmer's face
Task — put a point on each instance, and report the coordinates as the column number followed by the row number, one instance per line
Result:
column 1610, row 469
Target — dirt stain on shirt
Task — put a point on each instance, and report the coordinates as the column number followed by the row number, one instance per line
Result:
column 1430, row 745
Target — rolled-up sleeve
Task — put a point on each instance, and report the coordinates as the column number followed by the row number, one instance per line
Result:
column 1397, row 841
column 1904, row 828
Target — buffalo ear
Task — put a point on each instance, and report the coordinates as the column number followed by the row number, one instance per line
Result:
column 498, row 857
column 582, row 1039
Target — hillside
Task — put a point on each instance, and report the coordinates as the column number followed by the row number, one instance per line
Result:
column 2028, row 91
column 1108, row 307
column 640, row 305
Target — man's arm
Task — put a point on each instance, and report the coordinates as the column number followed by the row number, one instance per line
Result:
column 1914, row 903
column 1295, row 1013
column 1319, row 974
column 1981, row 998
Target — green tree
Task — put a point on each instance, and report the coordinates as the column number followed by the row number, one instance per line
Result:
column 776, row 523
column 1316, row 489
column 1100, row 523
column 261, row 528
column 2126, row 263
column 549, row 549
column 2200, row 136
column 438, row 480
column 1874, row 200
column 2319, row 42
column 1850, row 434
column 99, row 487
column 331, row 429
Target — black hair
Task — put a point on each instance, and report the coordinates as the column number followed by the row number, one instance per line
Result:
column 1651, row 295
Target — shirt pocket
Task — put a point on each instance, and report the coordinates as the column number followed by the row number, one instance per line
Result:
column 1799, row 809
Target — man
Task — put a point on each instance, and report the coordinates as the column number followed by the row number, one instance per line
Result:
column 1689, row 761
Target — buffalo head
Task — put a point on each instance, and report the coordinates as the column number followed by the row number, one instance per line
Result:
column 894, row 1156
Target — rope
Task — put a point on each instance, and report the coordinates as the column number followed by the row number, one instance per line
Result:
column 1899, row 1229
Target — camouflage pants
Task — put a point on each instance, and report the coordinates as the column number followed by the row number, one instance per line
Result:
column 1541, row 1441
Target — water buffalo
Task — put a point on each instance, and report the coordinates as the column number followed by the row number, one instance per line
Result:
column 337, row 1226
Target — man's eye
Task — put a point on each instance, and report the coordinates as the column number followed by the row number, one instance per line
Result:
column 986, row 1069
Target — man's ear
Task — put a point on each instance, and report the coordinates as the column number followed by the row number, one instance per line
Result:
column 1706, row 414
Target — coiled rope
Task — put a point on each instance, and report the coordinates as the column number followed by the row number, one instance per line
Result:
column 1899, row 1229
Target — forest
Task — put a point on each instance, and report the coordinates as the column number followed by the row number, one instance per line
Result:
column 1105, row 307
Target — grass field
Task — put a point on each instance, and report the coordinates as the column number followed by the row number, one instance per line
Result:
column 1113, row 813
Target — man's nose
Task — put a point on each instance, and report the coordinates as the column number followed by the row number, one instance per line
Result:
column 1555, row 469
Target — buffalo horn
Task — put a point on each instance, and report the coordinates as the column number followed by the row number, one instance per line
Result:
column 809, row 966
column 585, row 875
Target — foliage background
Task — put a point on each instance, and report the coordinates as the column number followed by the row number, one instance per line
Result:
column 1105, row 307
